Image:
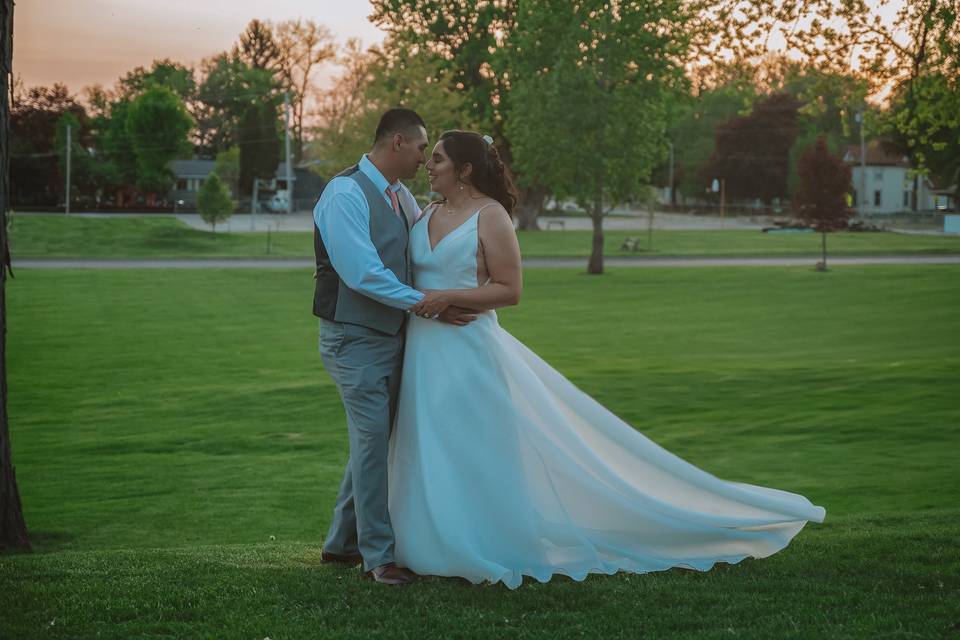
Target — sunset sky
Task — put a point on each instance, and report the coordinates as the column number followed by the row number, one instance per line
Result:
column 82, row 42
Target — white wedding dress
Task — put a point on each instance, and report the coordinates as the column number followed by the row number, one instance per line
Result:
column 501, row 468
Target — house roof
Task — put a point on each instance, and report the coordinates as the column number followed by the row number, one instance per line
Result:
column 282, row 171
column 202, row 168
column 879, row 154
column 191, row 168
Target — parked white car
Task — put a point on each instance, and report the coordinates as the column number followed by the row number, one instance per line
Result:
column 277, row 203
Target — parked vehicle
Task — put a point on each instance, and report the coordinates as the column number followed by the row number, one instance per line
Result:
column 277, row 203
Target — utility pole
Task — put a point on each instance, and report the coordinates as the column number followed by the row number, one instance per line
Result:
column 67, row 209
column 286, row 149
column 253, row 204
column 862, row 200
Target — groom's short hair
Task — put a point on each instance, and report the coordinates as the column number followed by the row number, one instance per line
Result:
column 399, row 120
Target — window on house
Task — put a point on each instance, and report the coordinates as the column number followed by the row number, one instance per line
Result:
column 876, row 198
column 878, row 176
column 906, row 198
column 854, row 197
column 181, row 185
column 281, row 185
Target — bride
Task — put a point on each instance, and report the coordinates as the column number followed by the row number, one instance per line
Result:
column 499, row 467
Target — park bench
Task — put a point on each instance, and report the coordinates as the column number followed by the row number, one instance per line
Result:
column 630, row 244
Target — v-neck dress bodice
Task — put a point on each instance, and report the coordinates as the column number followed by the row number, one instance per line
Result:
column 452, row 263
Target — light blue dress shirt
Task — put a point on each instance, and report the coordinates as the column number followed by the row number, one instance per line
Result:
column 342, row 216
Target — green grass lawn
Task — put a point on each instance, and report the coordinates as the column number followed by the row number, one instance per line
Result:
column 178, row 450
column 165, row 237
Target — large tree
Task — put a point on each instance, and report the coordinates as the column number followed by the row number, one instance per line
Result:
column 893, row 45
column 36, row 176
column 829, row 104
column 228, row 87
column 116, row 160
column 166, row 73
column 372, row 82
column 469, row 43
column 752, row 153
column 13, row 529
column 304, row 46
column 926, row 125
column 590, row 88
column 259, row 143
column 693, row 121
column 158, row 125
column 258, row 47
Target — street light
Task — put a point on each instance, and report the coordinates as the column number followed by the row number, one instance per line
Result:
column 861, row 201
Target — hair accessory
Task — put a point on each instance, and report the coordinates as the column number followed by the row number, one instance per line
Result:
column 488, row 139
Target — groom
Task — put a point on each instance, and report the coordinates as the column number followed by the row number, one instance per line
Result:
column 362, row 226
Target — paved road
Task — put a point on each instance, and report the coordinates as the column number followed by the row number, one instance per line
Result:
column 302, row 221
column 536, row 263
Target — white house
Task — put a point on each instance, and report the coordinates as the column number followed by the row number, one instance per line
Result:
column 887, row 182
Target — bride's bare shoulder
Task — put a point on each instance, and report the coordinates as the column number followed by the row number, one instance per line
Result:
column 494, row 215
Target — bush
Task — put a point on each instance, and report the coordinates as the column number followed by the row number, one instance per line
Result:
column 214, row 201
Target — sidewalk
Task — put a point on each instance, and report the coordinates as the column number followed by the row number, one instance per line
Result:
column 303, row 221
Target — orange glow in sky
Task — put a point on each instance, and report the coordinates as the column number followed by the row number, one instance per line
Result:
column 83, row 42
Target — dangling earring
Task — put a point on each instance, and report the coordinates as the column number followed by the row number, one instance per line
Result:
column 461, row 186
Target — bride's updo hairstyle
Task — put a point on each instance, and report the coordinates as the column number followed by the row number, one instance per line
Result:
column 489, row 175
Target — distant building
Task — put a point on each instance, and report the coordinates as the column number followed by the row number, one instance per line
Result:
column 889, row 186
column 190, row 174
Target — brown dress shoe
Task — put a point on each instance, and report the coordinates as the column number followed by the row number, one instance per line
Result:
column 391, row 574
column 352, row 559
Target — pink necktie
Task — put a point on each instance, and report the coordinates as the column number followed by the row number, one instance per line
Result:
column 394, row 202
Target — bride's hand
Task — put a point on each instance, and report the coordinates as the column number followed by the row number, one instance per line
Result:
column 433, row 303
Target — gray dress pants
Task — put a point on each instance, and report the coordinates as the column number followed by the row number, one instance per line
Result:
column 366, row 365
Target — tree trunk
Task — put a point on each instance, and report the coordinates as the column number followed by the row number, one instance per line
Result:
column 595, row 265
column 13, row 528
column 530, row 206
column 915, row 193
column 823, row 250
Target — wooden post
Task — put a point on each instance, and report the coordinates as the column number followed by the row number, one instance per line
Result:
column 66, row 199
column 723, row 191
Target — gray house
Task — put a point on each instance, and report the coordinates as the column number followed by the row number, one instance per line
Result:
column 190, row 175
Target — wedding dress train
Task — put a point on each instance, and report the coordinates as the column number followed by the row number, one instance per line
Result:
column 500, row 467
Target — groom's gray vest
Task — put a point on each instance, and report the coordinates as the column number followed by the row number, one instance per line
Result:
column 332, row 299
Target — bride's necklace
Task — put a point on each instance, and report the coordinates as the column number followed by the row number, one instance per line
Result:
column 449, row 211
